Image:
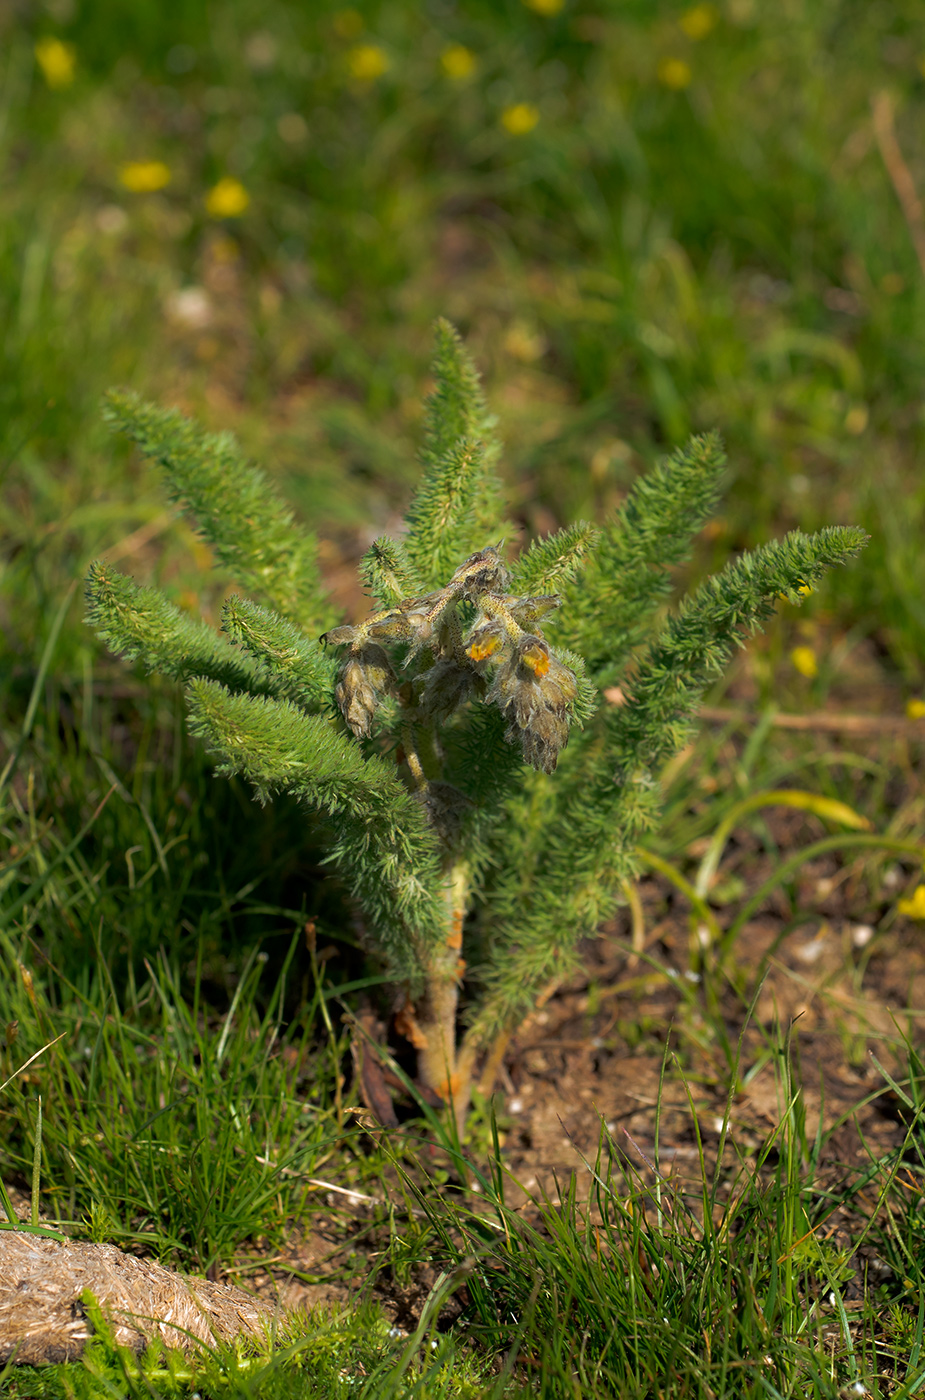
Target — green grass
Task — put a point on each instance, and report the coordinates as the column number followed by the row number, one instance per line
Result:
column 645, row 261
column 335, row 1357
column 648, row 1285
column 726, row 1290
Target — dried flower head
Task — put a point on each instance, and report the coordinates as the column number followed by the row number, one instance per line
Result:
column 531, row 687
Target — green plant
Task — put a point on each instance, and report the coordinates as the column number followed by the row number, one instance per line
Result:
column 429, row 748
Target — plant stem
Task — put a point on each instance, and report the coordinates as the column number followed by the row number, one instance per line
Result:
column 436, row 1013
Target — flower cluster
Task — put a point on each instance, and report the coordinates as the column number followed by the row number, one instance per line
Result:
column 470, row 640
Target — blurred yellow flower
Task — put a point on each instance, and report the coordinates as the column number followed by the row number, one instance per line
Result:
column 803, row 589
column 698, row 21
column 57, row 62
column 524, row 343
column 228, row 199
column 545, row 7
column 914, row 908
column 915, row 709
column 520, row 118
column 367, row 62
column 457, row 62
column 856, row 419
column 348, row 23
column 674, row 73
column 144, row 176
column 804, row 659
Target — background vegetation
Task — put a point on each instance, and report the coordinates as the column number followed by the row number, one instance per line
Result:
column 647, row 219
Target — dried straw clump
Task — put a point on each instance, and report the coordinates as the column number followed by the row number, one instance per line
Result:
column 42, row 1319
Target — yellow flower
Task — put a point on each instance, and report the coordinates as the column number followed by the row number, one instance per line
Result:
column 57, row 62
column 144, row 176
column 674, row 73
column 524, row 343
column 915, row 709
column 914, row 908
column 804, row 659
column 228, row 199
column 545, row 7
column 367, row 62
column 698, row 21
column 856, row 419
column 457, row 62
column 803, row 589
column 520, row 118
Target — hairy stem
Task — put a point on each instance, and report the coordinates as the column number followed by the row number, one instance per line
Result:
column 435, row 1014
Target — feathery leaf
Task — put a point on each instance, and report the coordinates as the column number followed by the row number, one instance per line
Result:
column 234, row 505
column 381, row 842
column 551, row 562
column 387, row 573
column 606, row 611
column 141, row 625
column 573, row 871
column 457, row 509
column 301, row 670
column 697, row 641
column 456, row 407
column 442, row 520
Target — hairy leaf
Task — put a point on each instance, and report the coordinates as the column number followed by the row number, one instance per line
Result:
column 234, row 505
column 141, row 625
column 380, row 839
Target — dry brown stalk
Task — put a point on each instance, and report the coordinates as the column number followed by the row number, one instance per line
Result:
column 825, row 721
column 899, row 173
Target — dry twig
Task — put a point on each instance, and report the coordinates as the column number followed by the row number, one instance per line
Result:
column 898, row 171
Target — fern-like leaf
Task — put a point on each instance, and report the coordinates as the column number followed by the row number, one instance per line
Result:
column 458, row 507
column 234, row 505
column 300, row 669
column 387, row 573
column 442, row 519
column 587, row 848
column 381, row 842
column 696, row 642
column 610, row 606
column 141, row 625
column 550, row 563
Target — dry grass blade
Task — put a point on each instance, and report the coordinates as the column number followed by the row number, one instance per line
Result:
column 899, row 173
column 823, row 722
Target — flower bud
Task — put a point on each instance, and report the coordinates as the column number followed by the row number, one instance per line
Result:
column 527, row 612
column 543, row 740
column 366, row 676
column 423, row 617
column 447, row 685
column 391, row 626
column 481, row 573
column 338, row 636
column 534, row 692
column 485, row 641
